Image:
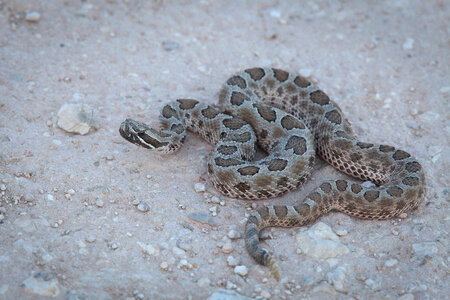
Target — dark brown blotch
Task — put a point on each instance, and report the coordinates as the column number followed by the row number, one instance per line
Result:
column 386, row 148
column 343, row 144
column 227, row 162
column 297, row 143
column 325, row 187
column 280, row 75
column 356, row 188
column 248, row 171
column 411, row 181
column 255, row 73
column 400, row 154
column 302, row 209
column 237, row 80
column 290, row 122
column 178, row 128
column 280, row 211
column 413, row 167
column 315, row 196
column 233, row 123
column 395, row 191
column 237, row 98
column 277, row 164
column 319, row 97
column 341, row 185
column 371, row 195
column 364, row 145
column 242, row 138
column 227, row 150
column 209, row 112
column 301, row 82
column 355, row 156
column 334, row 117
column 266, row 112
column 263, row 212
column 187, row 103
column 168, row 112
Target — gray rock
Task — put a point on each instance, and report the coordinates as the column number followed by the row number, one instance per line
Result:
column 227, row 295
column 337, row 278
column 202, row 218
column 320, row 242
column 42, row 284
column 75, row 118
column 425, row 248
column 170, row 45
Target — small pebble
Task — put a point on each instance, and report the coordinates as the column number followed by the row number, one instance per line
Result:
column 445, row 89
column 170, row 45
column 232, row 262
column 3, row 187
column 164, row 265
column 90, row 239
column 241, row 270
column 215, row 199
column 50, row 197
column 99, row 203
column 136, row 202
column 341, row 232
column 391, row 262
column 227, row 247
column 33, row 16
column 178, row 251
column 203, row 282
column 234, row 234
column 408, row 44
column 199, row 187
column 143, row 207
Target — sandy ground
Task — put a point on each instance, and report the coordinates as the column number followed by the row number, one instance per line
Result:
column 70, row 226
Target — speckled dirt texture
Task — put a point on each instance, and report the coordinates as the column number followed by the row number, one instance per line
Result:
column 95, row 217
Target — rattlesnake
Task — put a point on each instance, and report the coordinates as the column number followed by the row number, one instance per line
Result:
column 291, row 119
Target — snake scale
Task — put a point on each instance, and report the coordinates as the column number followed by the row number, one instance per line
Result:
column 291, row 119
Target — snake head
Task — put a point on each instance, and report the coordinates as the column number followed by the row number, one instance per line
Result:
column 141, row 134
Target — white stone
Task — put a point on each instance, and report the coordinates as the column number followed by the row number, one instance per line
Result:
column 234, row 234
column 227, row 247
column 75, row 118
column 391, row 262
column 408, row 44
column 320, row 242
column 232, row 262
column 99, row 203
column 164, row 265
column 41, row 284
column 143, row 207
column 337, row 278
column 265, row 294
column 227, row 294
column 445, row 89
column 241, row 270
column 33, row 16
column 50, row 197
column 203, row 282
column 178, row 251
column 148, row 249
column 425, row 248
column 199, row 187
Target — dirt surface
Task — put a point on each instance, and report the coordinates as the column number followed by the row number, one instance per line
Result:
column 95, row 217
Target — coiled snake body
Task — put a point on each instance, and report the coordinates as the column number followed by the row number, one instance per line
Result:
column 291, row 119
